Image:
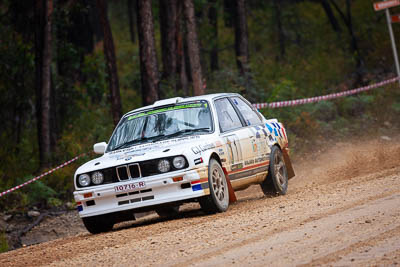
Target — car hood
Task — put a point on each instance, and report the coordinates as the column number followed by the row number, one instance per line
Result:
column 165, row 148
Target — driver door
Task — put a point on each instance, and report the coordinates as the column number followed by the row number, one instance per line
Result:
column 236, row 137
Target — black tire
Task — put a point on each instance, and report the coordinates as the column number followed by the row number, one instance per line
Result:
column 98, row 224
column 277, row 178
column 168, row 211
column 218, row 199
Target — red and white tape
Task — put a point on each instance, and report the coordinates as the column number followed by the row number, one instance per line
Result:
column 324, row 97
column 42, row 175
column 258, row 106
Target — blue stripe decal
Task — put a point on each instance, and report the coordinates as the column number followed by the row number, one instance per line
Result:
column 265, row 133
column 276, row 132
column 80, row 208
column 269, row 127
column 197, row 187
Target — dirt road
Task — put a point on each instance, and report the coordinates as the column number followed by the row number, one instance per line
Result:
column 342, row 208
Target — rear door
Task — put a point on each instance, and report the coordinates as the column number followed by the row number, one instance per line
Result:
column 232, row 133
column 259, row 152
column 237, row 142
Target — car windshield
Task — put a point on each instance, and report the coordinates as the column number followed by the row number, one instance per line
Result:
column 162, row 123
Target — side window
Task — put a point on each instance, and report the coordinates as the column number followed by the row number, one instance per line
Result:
column 249, row 115
column 227, row 116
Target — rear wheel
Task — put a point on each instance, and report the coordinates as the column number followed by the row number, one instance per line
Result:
column 98, row 224
column 218, row 200
column 168, row 212
column 277, row 179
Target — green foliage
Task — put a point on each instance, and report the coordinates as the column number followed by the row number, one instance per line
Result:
column 325, row 111
column 37, row 191
column 94, row 70
column 355, row 105
column 316, row 61
column 3, row 242
column 54, row 202
column 396, row 107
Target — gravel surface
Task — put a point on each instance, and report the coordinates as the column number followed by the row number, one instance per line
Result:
column 342, row 208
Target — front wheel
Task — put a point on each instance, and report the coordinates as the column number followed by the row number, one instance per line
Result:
column 218, row 200
column 98, row 224
column 277, row 179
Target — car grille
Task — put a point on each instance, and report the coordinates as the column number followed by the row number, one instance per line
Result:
column 127, row 172
column 132, row 171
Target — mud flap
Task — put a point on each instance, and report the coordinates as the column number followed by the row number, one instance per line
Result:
column 288, row 163
column 232, row 195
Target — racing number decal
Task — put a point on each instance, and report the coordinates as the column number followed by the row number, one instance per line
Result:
column 234, row 148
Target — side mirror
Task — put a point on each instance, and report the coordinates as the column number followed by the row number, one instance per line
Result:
column 100, row 148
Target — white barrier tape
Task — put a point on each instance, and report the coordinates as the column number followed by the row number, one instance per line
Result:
column 324, row 97
column 42, row 175
column 258, row 106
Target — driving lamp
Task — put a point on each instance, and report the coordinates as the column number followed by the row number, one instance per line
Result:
column 179, row 162
column 164, row 165
column 84, row 179
column 97, row 178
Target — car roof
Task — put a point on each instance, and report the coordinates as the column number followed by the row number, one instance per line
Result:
column 174, row 100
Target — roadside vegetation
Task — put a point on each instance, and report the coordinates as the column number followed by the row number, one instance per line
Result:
column 295, row 51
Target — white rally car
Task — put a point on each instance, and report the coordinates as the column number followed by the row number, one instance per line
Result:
column 180, row 150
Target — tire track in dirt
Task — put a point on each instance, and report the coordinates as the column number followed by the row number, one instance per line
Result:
column 199, row 247
column 364, row 250
column 315, row 238
column 340, row 181
column 314, row 217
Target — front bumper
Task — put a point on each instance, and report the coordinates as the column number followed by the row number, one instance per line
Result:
column 159, row 189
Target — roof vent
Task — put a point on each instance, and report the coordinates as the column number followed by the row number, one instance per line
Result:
column 168, row 101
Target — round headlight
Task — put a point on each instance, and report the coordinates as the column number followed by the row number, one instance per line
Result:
column 97, row 178
column 179, row 162
column 84, row 179
column 163, row 165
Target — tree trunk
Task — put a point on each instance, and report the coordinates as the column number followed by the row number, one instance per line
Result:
column 39, row 38
column 229, row 12
column 46, row 87
column 242, row 41
column 148, row 58
column 180, row 59
column 347, row 19
column 354, row 41
column 213, row 20
column 241, row 38
column 94, row 21
column 193, row 48
column 109, row 53
column 132, row 19
column 331, row 16
column 168, row 20
column 281, row 35
column 82, row 33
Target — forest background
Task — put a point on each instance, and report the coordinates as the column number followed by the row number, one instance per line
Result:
column 69, row 69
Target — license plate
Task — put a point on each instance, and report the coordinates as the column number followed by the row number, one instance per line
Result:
column 129, row 187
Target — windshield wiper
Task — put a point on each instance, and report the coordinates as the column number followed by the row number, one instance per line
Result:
column 138, row 141
column 207, row 129
column 129, row 143
column 159, row 137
